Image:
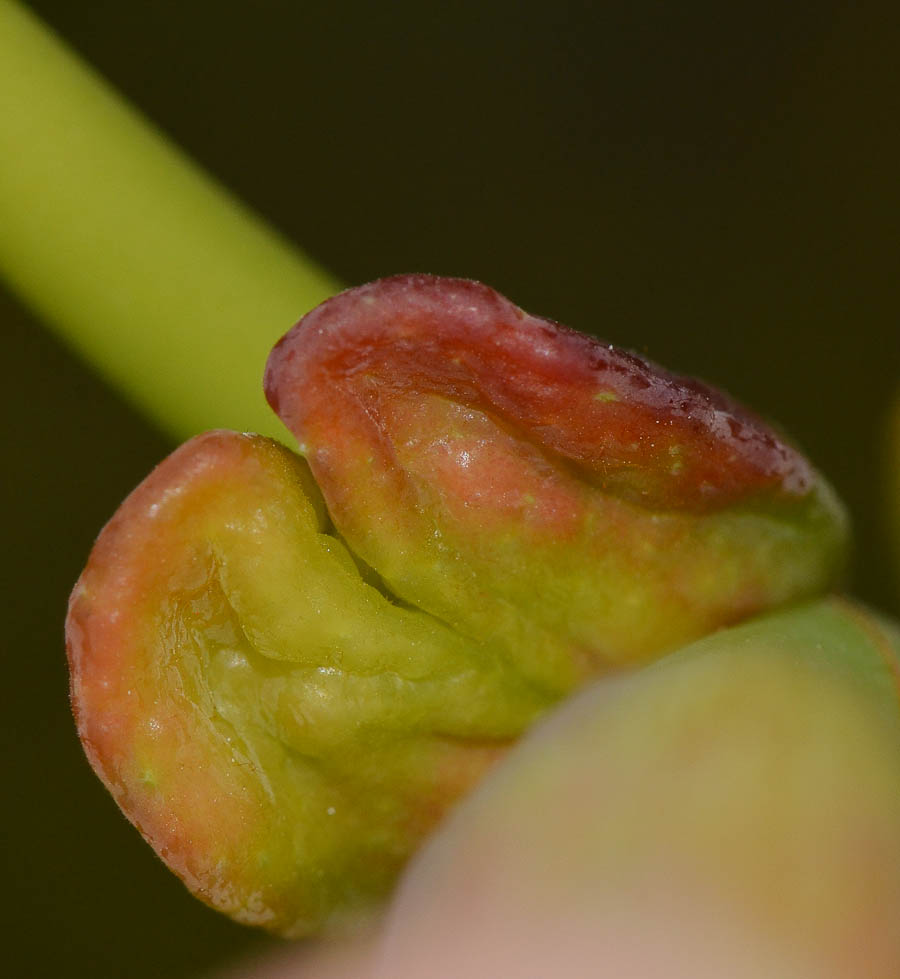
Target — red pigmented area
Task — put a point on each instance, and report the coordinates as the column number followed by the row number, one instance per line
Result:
column 253, row 827
column 340, row 377
column 143, row 712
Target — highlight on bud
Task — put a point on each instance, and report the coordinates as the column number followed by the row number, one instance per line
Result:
column 285, row 689
column 521, row 480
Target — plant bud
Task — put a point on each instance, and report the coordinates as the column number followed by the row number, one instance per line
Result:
column 285, row 693
column 279, row 730
column 525, row 482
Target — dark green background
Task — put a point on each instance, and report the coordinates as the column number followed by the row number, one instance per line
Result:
column 713, row 184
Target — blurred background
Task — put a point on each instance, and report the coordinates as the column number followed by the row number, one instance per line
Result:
column 714, row 185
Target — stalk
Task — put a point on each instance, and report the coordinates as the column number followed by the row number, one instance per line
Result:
column 138, row 259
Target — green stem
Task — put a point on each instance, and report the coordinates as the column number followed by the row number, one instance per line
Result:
column 152, row 271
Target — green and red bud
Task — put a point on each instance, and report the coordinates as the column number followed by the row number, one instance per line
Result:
column 285, row 693
column 525, row 482
column 281, row 732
